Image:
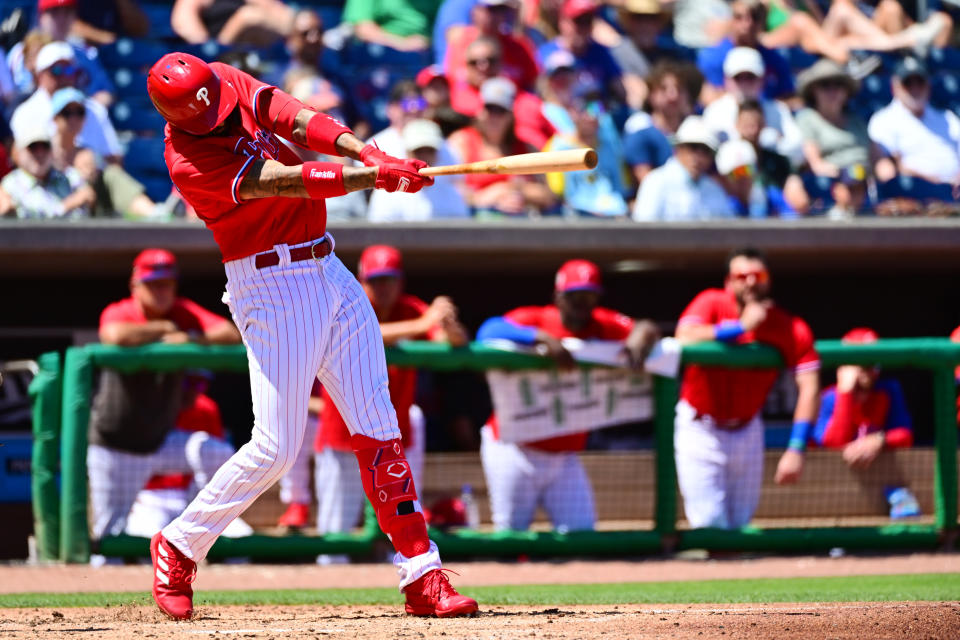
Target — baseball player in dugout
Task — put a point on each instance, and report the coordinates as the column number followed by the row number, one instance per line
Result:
column 548, row 472
column 301, row 313
column 132, row 434
column 402, row 316
column 718, row 435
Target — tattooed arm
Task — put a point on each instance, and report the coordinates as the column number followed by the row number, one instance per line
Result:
column 269, row 178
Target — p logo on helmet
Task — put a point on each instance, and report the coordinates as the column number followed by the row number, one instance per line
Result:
column 189, row 94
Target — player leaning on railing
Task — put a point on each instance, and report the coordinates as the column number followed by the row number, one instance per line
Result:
column 301, row 313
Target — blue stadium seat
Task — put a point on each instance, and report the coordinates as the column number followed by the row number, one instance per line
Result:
column 144, row 156
column 159, row 16
column 916, row 188
column 130, row 83
column 876, row 88
column 818, row 189
column 132, row 53
column 944, row 89
column 798, row 58
column 946, row 59
column 136, row 114
column 158, row 187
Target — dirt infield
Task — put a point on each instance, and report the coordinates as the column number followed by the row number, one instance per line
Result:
column 914, row 621
column 82, row 578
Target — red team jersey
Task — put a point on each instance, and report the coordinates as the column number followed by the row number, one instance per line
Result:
column 186, row 314
column 208, row 170
column 738, row 394
column 606, row 324
column 333, row 431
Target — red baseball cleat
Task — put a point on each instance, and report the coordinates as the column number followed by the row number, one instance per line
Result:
column 173, row 574
column 295, row 517
column 433, row 595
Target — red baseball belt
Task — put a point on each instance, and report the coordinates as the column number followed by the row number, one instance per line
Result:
column 319, row 249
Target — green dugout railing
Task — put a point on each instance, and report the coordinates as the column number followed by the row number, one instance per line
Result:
column 68, row 420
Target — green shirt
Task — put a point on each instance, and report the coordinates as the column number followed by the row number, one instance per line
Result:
column 399, row 17
column 842, row 147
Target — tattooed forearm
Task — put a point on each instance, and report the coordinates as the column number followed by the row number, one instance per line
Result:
column 357, row 178
column 269, row 178
column 349, row 145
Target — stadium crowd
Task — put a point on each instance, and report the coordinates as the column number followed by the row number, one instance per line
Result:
column 699, row 109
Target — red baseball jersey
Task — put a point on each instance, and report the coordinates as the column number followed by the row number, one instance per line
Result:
column 208, row 169
column 202, row 415
column 333, row 432
column 186, row 314
column 738, row 394
column 606, row 324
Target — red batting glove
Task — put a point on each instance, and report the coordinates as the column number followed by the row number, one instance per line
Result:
column 372, row 156
column 416, row 165
column 400, row 176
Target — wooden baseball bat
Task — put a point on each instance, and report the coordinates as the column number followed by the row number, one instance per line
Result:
column 522, row 164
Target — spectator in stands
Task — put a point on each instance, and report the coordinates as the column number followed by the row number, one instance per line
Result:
column 736, row 163
column 748, row 20
column 894, row 17
column 849, row 193
column 598, row 192
column 402, row 316
column 483, row 57
column 422, row 140
column 493, row 19
column 35, row 189
column 643, row 21
column 436, row 91
column 450, row 15
column 700, row 23
column 166, row 495
column 492, row 136
column 683, row 189
column 406, row 103
column 592, row 58
column 672, row 97
column 772, row 168
column 834, row 137
column 132, row 434
column 547, row 472
column 914, row 137
column 117, row 192
column 744, row 71
column 404, row 25
column 100, row 23
column 864, row 412
column 57, row 69
column 232, row 22
column 305, row 78
column 718, row 436
column 56, row 19
column 22, row 61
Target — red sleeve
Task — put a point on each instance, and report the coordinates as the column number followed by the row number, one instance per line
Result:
column 805, row 356
column 955, row 336
column 531, row 125
column 899, row 437
column 208, row 175
column 524, row 57
column 121, row 311
column 615, row 325
column 840, row 428
column 701, row 310
column 526, row 316
column 189, row 311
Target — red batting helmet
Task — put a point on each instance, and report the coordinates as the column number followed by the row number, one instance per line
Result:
column 189, row 94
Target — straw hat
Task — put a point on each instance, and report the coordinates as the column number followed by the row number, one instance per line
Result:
column 825, row 70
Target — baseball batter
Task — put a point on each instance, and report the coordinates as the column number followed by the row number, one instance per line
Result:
column 548, row 472
column 301, row 313
column 718, row 434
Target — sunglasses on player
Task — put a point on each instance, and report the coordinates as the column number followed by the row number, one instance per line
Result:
column 761, row 276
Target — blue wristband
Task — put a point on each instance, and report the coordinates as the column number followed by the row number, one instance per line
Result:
column 799, row 435
column 728, row 330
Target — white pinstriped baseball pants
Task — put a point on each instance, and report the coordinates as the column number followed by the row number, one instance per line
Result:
column 299, row 320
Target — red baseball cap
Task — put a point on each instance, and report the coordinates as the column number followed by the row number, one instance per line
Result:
column 380, row 260
column 154, row 264
column 575, row 8
column 429, row 74
column 860, row 335
column 578, row 275
column 46, row 5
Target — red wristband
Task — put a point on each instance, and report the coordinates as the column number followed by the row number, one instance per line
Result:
column 322, row 134
column 323, row 179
